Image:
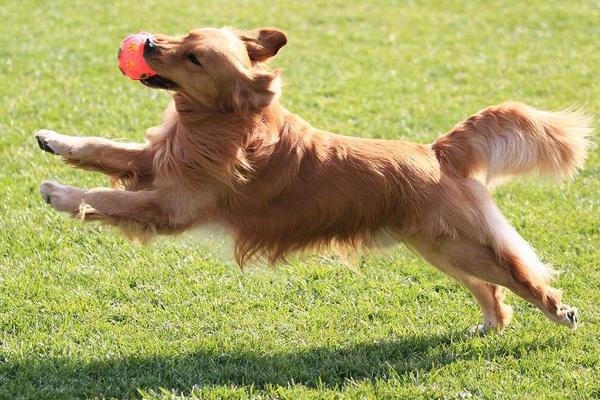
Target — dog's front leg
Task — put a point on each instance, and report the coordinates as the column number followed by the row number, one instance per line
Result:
column 116, row 207
column 99, row 154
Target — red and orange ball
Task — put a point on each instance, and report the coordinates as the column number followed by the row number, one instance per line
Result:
column 131, row 57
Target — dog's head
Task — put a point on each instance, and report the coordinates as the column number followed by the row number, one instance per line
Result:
column 217, row 69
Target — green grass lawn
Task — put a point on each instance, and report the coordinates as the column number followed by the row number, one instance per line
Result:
column 86, row 314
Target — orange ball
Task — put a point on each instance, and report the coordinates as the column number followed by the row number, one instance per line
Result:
column 131, row 56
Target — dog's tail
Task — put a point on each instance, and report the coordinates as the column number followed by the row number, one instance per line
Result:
column 514, row 139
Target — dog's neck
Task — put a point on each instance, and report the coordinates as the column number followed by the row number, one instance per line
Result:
column 227, row 146
column 191, row 112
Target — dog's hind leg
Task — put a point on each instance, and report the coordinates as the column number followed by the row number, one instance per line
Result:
column 529, row 277
column 489, row 296
column 113, row 158
column 496, row 313
column 481, row 262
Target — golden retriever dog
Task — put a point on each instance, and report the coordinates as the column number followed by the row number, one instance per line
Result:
column 228, row 153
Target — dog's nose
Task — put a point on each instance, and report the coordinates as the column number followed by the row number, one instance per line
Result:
column 149, row 47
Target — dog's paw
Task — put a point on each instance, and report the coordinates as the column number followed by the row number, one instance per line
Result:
column 482, row 329
column 55, row 143
column 61, row 197
column 568, row 316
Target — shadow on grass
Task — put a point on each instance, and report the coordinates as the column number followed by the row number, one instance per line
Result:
column 321, row 367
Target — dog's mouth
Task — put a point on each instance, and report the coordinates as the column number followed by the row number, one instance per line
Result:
column 159, row 82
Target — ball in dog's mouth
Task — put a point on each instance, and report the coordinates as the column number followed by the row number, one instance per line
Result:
column 131, row 56
column 132, row 61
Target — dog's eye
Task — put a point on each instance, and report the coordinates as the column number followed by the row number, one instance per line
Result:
column 193, row 59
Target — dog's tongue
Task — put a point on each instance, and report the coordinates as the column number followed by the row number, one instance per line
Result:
column 131, row 56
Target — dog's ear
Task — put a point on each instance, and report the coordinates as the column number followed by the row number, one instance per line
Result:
column 263, row 43
column 255, row 90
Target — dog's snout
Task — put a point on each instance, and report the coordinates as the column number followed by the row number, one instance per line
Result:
column 149, row 47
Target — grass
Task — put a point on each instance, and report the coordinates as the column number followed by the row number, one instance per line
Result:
column 86, row 314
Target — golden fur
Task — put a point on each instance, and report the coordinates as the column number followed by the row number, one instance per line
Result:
column 228, row 153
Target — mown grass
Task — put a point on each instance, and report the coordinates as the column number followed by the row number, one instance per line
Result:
column 86, row 314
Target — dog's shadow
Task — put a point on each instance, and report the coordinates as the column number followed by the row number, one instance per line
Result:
column 320, row 367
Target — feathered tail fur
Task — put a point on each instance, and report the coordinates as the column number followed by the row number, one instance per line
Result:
column 514, row 139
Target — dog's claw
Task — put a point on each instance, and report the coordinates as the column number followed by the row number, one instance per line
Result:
column 46, row 198
column 43, row 144
column 572, row 316
column 569, row 316
column 45, row 190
